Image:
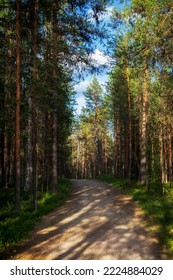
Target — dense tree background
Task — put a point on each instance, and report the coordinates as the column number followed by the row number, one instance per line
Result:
column 130, row 127
column 146, row 62
column 42, row 43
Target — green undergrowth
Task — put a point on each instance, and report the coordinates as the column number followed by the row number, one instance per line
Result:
column 155, row 203
column 15, row 228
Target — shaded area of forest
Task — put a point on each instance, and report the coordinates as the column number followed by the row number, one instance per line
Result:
column 42, row 44
column 14, row 228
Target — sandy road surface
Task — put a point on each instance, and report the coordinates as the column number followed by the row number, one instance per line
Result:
column 97, row 222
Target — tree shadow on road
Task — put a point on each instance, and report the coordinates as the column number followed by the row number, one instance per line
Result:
column 97, row 222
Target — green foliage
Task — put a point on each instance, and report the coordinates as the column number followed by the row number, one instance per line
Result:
column 15, row 228
column 91, row 140
column 156, row 206
column 93, row 95
column 142, row 45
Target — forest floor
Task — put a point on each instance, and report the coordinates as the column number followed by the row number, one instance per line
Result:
column 97, row 222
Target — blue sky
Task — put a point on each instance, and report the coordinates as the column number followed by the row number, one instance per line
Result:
column 101, row 59
column 80, row 87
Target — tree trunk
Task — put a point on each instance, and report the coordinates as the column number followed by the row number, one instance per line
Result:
column 54, row 153
column 116, row 127
column 47, row 129
column 96, row 142
column 144, row 134
column 54, row 114
column 8, row 112
column 35, row 111
column 83, row 162
column 3, row 172
column 29, row 161
column 129, row 124
column 17, row 113
column 161, row 154
column 6, row 159
column 170, row 154
column 104, row 152
column 165, row 135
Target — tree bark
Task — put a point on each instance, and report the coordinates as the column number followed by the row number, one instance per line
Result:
column 17, row 113
column 104, row 152
column 29, row 162
column 116, row 127
column 129, row 124
column 170, row 154
column 3, row 172
column 54, row 114
column 35, row 117
column 144, row 134
column 96, row 140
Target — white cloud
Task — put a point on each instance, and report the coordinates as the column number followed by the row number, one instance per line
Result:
column 80, row 87
column 99, row 58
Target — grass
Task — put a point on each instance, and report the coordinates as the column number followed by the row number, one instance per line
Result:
column 15, row 228
column 154, row 203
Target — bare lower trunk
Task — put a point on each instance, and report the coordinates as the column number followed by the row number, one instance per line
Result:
column 96, row 143
column 54, row 153
column 115, row 146
column 2, row 155
column 170, row 154
column 83, row 163
column 161, row 154
column 35, row 111
column 54, row 114
column 36, row 177
column 144, row 134
column 29, row 158
column 105, row 155
column 129, row 125
column 17, row 117
column 165, row 151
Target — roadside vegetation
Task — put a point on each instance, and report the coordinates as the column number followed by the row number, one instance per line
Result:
column 14, row 228
column 157, row 203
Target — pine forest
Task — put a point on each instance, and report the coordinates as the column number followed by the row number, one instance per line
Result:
column 123, row 134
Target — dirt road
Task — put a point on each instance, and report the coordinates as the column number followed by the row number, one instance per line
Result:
column 97, row 222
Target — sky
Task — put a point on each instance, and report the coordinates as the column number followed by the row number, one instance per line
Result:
column 80, row 87
column 100, row 59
